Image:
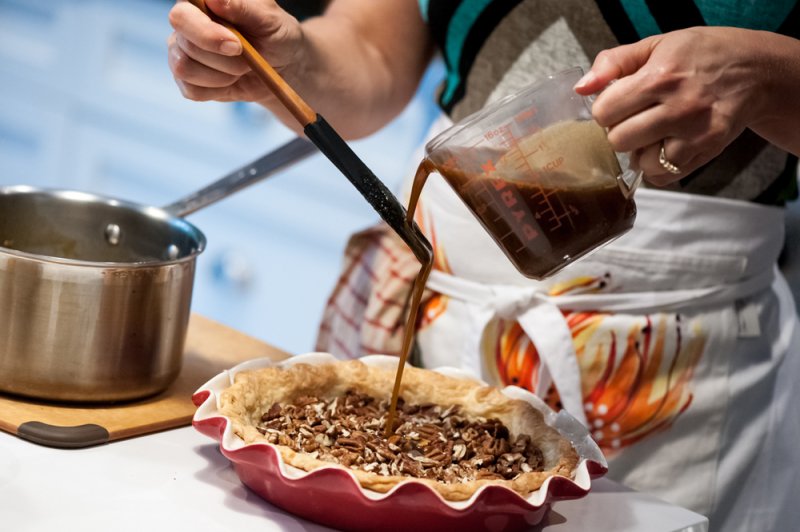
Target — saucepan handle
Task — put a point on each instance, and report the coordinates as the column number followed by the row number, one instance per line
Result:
column 276, row 160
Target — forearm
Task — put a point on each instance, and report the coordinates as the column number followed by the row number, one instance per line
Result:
column 361, row 62
column 779, row 120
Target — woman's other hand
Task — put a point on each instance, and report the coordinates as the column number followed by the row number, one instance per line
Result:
column 691, row 92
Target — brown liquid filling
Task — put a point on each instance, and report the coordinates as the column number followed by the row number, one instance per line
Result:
column 539, row 225
column 424, row 169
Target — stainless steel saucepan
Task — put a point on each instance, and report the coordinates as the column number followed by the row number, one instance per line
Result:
column 95, row 292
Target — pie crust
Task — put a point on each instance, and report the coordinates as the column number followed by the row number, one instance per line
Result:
column 254, row 392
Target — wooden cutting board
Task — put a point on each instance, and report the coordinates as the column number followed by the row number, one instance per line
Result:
column 210, row 348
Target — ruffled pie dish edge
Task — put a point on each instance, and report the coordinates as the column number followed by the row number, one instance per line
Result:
column 336, row 491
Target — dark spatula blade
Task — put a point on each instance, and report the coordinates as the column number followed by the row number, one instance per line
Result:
column 374, row 191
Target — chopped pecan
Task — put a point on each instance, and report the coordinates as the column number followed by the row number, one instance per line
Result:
column 351, row 444
column 305, row 400
column 273, row 412
column 430, row 441
column 429, row 431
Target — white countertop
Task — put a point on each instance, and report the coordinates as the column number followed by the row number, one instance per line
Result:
column 177, row 480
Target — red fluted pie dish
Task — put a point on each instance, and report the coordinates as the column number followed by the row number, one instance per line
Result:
column 331, row 495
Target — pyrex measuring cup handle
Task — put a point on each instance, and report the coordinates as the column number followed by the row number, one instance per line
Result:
column 628, row 180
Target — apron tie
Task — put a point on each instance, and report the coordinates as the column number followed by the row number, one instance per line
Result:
column 544, row 324
column 540, row 317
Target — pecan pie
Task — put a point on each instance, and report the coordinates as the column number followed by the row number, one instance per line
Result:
column 454, row 435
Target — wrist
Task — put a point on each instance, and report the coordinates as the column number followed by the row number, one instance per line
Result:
column 778, row 108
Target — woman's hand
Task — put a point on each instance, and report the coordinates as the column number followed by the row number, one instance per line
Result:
column 692, row 92
column 205, row 57
column 358, row 64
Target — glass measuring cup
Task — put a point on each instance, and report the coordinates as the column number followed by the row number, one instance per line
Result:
column 539, row 174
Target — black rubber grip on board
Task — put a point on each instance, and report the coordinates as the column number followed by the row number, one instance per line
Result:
column 74, row 437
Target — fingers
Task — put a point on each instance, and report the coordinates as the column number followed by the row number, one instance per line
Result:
column 677, row 152
column 202, row 54
column 688, row 144
column 639, row 130
column 186, row 69
column 660, row 121
column 615, row 63
column 198, row 93
column 255, row 19
column 207, row 35
column 623, row 99
column 247, row 88
column 180, row 47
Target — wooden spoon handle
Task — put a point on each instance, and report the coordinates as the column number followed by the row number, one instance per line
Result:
column 299, row 109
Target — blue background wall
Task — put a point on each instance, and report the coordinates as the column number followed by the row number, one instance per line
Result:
column 88, row 103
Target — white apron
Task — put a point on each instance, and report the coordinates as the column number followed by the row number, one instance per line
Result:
column 677, row 344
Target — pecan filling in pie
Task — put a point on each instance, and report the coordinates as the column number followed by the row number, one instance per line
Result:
column 454, row 435
column 430, row 441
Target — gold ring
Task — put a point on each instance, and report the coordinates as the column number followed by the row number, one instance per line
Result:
column 668, row 166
